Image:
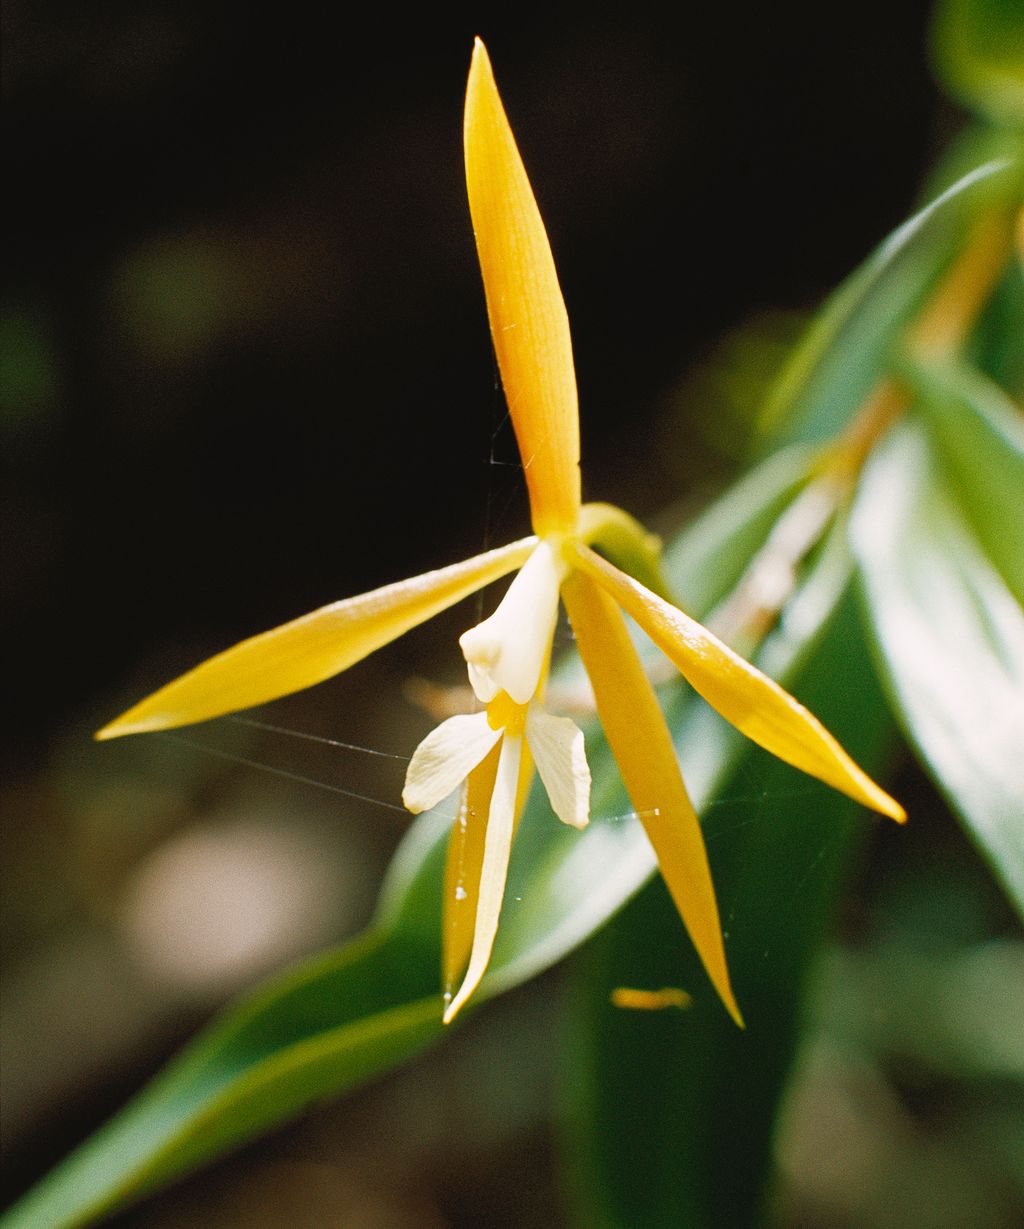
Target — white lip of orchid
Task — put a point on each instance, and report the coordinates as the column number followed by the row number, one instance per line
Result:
column 507, row 651
column 449, row 754
column 445, row 758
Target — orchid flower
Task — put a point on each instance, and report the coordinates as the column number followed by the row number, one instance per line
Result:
column 490, row 754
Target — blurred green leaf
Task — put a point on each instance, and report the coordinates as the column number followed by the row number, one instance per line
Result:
column 978, row 48
column 28, row 375
column 960, row 1009
column 975, row 145
column 951, row 639
column 854, row 338
column 708, row 557
column 329, row 1024
column 980, row 437
column 670, row 1114
column 995, row 348
column 341, row 1019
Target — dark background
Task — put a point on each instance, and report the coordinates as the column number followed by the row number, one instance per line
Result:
column 251, row 358
column 247, row 371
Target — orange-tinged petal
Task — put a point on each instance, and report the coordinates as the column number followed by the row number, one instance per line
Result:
column 642, row 746
column 493, row 870
column 755, row 704
column 528, row 320
column 313, row 647
column 462, row 870
column 526, row 770
column 465, row 858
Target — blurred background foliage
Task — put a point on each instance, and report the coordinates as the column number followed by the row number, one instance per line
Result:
column 245, row 371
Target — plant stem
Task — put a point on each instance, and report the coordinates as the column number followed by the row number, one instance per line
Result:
column 938, row 333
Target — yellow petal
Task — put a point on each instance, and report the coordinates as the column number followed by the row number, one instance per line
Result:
column 314, row 647
column 493, row 870
column 752, row 702
column 526, row 768
column 640, row 741
column 462, row 870
column 528, row 320
column 465, row 859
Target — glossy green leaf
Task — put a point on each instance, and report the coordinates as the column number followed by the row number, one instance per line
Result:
column 980, row 437
column 341, row 1019
column 853, row 340
column 703, row 1091
column 978, row 48
column 951, row 641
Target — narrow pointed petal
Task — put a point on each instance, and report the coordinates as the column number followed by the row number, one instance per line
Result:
column 642, row 746
column 462, row 870
column 445, row 758
column 557, row 747
column 313, row 647
column 527, row 314
column 493, row 871
column 755, row 704
column 465, row 860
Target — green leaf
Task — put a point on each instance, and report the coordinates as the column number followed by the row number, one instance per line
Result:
column 978, row 49
column 708, row 557
column 853, row 340
column 996, row 348
column 345, row 1017
column 328, row 1025
column 669, row 1115
column 980, row 437
column 951, row 641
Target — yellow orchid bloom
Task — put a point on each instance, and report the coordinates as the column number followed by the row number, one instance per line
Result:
column 491, row 754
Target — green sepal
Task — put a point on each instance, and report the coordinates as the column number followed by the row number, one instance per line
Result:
column 626, row 543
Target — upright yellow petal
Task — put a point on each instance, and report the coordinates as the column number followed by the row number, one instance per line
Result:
column 642, row 746
column 755, row 704
column 313, row 647
column 528, row 320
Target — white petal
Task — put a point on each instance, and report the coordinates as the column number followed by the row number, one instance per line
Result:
column 507, row 651
column 497, row 846
column 443, row 760
column 557, row 746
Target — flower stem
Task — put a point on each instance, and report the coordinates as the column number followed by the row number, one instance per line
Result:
column 939, row 332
